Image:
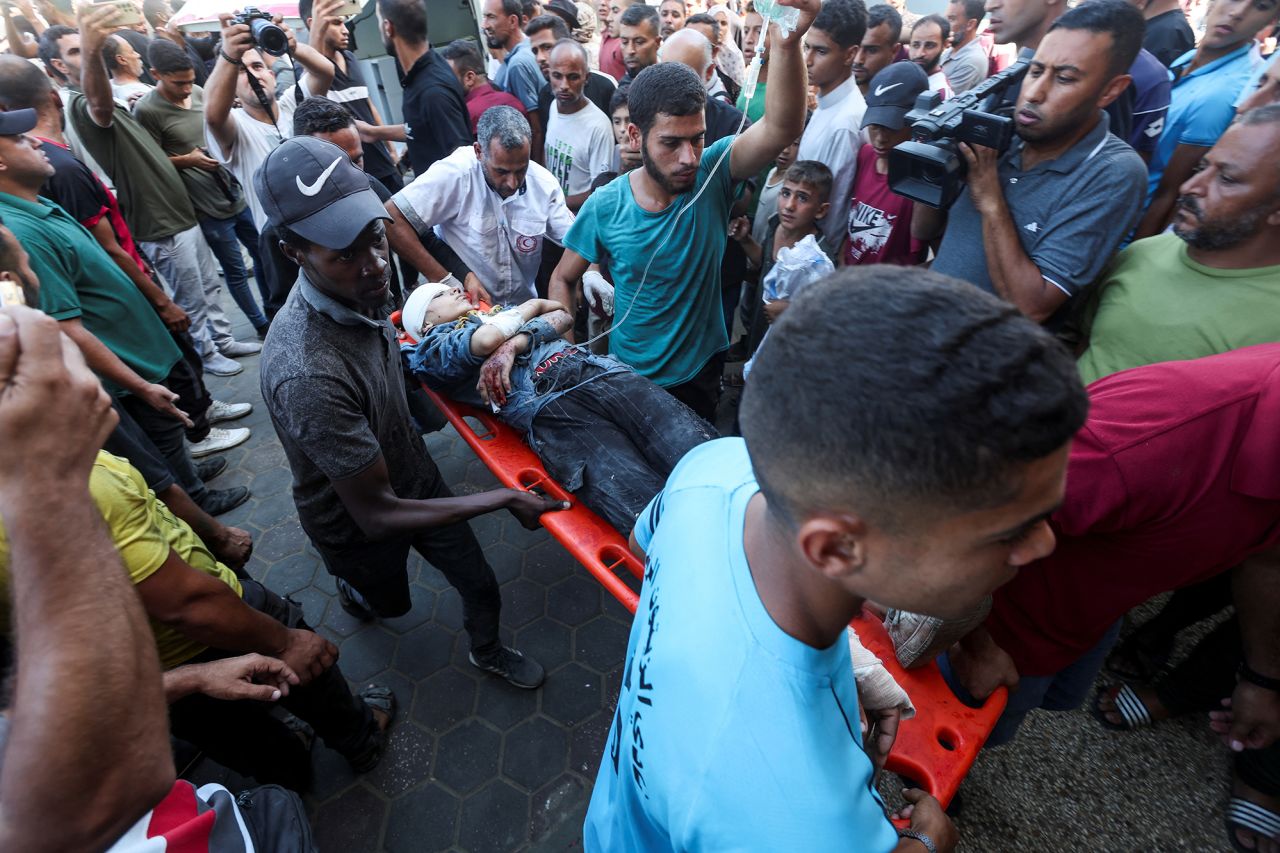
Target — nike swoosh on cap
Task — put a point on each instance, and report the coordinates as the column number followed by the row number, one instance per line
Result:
column 880, row 90
column 313, row 188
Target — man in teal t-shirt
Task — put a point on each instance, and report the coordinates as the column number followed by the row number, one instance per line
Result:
column 663, row 228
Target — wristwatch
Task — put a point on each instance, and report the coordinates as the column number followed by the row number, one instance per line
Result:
column 919, row 836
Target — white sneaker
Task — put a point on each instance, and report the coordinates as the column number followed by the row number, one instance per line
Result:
column 235, row 349
column 219, row 440
column 219, row 365
column 221, row 411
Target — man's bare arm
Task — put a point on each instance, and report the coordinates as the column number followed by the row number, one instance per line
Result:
column 405, row 242
column 785, row 99
column 95, row 27
column 88, row 752
column 564, row 281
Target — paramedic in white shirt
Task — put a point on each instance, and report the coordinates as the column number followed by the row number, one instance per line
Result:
column 491, row 204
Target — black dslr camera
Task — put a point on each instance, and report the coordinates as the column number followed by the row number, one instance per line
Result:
column 929, row 168
column 267, row 37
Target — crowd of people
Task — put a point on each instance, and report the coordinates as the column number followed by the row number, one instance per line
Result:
column 1004, row 421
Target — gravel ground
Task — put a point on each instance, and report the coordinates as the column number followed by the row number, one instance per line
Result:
column 1065, row 783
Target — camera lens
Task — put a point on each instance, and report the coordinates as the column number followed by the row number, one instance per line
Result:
column 270, row 38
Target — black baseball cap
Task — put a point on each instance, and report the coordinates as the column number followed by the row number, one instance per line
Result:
column 311, row 186
column 892, row 93
column 14, row 122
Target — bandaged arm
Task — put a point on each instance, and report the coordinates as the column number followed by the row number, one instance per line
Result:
column 877, row 690
column 499, row 328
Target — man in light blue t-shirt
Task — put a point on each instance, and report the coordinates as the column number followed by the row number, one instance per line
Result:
column 1206, row 84
column 905, row 438
column 663, row 228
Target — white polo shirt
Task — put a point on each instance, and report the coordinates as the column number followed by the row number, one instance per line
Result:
column 499, row 239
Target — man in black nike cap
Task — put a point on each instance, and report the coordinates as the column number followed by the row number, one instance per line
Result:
column 365, row 488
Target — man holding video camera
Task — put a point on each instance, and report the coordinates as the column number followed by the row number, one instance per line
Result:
column 1037, row 223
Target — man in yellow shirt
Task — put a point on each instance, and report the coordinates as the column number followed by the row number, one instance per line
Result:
column 200, row 611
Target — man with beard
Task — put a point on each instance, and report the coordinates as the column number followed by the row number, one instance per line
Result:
column 674, row 331
column 493, row 207
column 1037, row 223
column 1211, row 285
column 640, row 37
column 672, row 13
column 879, row 46
column 964, row 62
column 435, row 111
column 929, row 37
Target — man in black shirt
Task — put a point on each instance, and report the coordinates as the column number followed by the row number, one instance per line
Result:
column 349, row 88
column 435, row 111
column 1168, row 35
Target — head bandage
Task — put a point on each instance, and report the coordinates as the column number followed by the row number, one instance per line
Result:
column 414, row 316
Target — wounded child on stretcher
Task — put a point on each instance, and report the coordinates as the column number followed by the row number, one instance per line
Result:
column 602, row 431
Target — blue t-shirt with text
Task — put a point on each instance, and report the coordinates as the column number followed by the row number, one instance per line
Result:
column 677, row 322
column 729, row 733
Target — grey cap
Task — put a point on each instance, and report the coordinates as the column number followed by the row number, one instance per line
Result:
column 311, row 186
column 892, row 93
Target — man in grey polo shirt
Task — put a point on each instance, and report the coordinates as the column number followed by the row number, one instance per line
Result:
column 1038, row 223
column 365, row 488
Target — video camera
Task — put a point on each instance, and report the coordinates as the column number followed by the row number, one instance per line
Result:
column 929, row 168
column 267, row 36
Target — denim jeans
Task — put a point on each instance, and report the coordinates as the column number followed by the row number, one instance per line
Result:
column 225, row 237
column 614, row 441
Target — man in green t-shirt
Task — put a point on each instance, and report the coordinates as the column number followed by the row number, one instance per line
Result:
column 152, row 197
column 1214, row 283
column 664, row 256
column 173, row 113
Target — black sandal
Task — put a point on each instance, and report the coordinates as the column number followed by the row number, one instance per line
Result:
column 1132, row 710
column 1251, row 817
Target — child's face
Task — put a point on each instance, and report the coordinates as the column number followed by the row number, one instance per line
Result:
column 799, row 205
column 448, row 307
column 787, row 157
column 883, row 139
column 621, row 118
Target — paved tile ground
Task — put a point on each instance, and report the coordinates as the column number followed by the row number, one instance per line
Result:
column 477, row 765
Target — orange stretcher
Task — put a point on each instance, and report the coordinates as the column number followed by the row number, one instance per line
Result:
column 934, row 749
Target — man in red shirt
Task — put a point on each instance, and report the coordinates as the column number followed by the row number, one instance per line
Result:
column 1174, row 479
column 468, row 66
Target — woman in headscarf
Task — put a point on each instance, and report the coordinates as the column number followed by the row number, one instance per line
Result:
column 587, row 33
column 730, row 59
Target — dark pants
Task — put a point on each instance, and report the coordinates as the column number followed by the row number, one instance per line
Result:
column 225, row 236
column 128, row 441
column 167, row 433
column 614, row 441
column 702, row 392
column 1065, row 690
column 379, row 572
column 246, row 738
